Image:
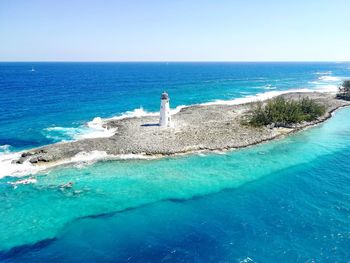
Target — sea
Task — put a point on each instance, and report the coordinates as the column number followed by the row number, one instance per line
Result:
column 281, row 201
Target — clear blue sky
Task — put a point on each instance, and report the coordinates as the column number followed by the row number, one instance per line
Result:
column 174, row 30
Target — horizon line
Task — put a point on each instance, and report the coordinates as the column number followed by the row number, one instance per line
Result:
column 173, row 61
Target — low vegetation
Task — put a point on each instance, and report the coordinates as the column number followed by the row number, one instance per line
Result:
column 344, row 90
column 280, row 112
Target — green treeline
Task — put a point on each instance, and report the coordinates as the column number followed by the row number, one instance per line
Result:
column 280, row 112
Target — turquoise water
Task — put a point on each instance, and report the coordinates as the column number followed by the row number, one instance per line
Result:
column 283, row 201
column 297, row 199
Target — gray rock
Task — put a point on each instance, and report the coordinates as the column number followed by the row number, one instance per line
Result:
column 26, row 154
column 33, row 160
column 198, row 127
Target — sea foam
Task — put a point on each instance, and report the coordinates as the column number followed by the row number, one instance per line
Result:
column 329, row 78
column 8, row 168
column 92, row 129
column 96, row 129
column 81, row 159
column 5, row 148
column 254, row 98
column 323, row 73
column 140, row 112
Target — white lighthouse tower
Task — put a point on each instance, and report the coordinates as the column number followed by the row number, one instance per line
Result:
column 165, row 119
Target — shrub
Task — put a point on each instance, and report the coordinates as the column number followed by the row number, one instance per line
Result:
column 280, row 112
column 344, row 90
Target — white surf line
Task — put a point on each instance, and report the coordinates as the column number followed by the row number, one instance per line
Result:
column 8, row 168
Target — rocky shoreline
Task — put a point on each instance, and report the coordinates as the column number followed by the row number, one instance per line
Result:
column 195, row 128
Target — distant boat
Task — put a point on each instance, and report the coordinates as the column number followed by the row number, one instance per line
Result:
column 32, row 70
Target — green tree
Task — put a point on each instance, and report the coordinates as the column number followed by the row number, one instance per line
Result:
column 344, row 90
column 281, row 112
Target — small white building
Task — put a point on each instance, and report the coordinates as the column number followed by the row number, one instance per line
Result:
column 165, row 118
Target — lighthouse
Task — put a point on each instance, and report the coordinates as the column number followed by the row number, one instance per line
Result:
column 164, row 119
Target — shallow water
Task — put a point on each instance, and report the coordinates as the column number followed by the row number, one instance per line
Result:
column 192, row 208
column 282, row 201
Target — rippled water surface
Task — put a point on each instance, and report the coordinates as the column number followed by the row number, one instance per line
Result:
column 284, row 201
column 54, row 101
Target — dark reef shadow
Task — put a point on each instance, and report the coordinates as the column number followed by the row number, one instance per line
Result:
column 26, row 248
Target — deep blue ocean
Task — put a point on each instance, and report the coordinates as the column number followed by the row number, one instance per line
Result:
column 282, row 201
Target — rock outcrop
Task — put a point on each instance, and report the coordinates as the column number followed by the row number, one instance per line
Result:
column 198, row 127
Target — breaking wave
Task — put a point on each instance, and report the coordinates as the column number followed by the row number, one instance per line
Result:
column 97, row 129
column 5, row 148
column 81, row 159
column 270, row 87
column 9, row 168
column 323, row 73
column 329, row 78
column 93, row 129
column 254, row 98
column 140, row 112
column 326, row 82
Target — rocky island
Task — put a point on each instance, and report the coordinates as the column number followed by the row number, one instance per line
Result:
column 194, row 128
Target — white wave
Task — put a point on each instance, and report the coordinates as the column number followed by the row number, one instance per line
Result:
column 136, row 113
column 255, row 98
column 220, row 152
column 93, row 129
column 81, row 159
column 24, row 181
column 323, row 83
column 329, row 78
column 140, row 112
column 89, row 156
column 62, row 133
column 8, row 168
column 5, row 148
column 246, row 260
column 133, row 156
column 270, row 87
column 96, row 128
column 323, row 73
column 316, row 82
